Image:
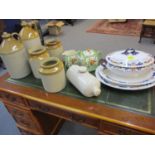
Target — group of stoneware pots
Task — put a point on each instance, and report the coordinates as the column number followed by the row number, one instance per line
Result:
column 23, row 53
column 128, row 69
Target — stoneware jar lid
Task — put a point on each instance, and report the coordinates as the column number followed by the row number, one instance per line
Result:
column 10, row 43
column 51, row 66
column 55, row 23
column 24, row 23
column 6, row 35
column 130, row 58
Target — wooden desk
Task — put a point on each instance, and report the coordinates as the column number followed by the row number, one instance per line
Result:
column 148, row 30
column 38, row 112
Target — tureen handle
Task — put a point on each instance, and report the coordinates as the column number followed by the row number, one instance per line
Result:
column 103, row 62
column 130, row 49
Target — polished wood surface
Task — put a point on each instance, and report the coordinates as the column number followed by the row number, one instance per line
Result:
column 106, row 119
column 148, row 30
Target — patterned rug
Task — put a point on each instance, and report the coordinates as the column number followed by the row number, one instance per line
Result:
column 132, row 27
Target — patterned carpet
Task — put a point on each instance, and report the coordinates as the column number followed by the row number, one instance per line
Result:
column 131, row 27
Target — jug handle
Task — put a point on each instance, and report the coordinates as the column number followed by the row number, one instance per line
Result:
column 16, row 34
column 33, row 25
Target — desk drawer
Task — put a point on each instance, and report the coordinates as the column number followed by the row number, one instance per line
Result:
column 18, row 112
column 64, row 114
column 114, row 129
column 24, row 118
column 85, row 120
column 13, row 99
column 25, row 131
column 28, row 123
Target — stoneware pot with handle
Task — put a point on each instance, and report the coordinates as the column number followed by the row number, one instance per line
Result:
column 29, row 35
column 13, row 54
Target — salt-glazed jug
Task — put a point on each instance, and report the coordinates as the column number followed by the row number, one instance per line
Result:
column 55, row 48
column 84, row 81
column 35, row 57
column 13, row 54
column 52, row 74
column 29, row 35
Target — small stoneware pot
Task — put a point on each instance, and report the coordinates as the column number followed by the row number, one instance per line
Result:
column 35, row 57
column 55, row 48
column 55, row 27
column 13, row 54
column 52, row 74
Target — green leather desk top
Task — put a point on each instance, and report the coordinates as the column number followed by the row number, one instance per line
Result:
column 138, row 101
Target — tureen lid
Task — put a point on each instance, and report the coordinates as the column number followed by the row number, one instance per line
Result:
column 130, row 58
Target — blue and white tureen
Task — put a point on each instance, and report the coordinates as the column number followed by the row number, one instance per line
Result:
column 130, row 63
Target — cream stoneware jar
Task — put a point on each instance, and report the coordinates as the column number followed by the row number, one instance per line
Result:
column 84, row 81
column 35, row 57
column 29, row 36
column 52, row 74
column 13, row 54
column 55, row 48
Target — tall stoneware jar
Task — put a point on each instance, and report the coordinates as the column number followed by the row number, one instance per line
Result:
column 13, row 54
column 55, row 48
column 29, row 35
column 35, row 57
column 52, row 74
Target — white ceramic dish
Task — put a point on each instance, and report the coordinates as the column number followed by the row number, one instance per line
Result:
column 130, row 58
column 130, row 72
column 107, row 75
column 121, row 87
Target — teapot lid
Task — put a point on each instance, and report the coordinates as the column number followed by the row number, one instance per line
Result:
column 130, row 58
column 50, row 66
column 88, row 52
